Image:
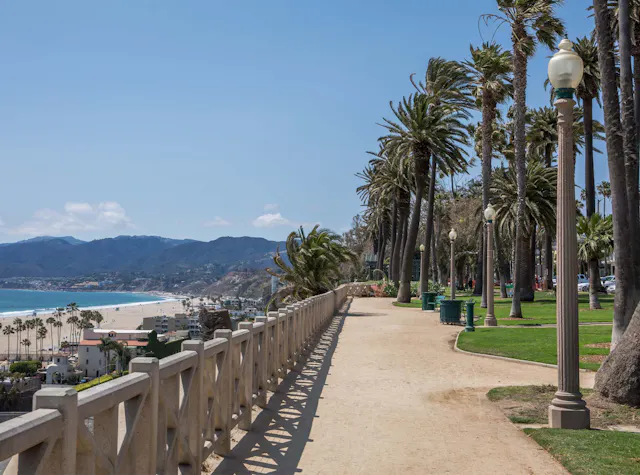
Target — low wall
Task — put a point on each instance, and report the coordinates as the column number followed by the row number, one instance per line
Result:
column 175, row 412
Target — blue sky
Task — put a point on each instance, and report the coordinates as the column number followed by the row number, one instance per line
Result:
column 206, row 118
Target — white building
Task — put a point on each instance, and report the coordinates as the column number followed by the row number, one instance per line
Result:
column 92, row 361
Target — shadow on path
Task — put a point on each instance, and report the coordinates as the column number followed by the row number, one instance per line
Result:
column 280, row 432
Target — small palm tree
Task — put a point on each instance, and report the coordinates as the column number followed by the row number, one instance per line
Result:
column 58, row 325
column 64, row 345
column 41, row 335
column 604, row 188
column 26, row 343
column 314, row 264
column 595, row 240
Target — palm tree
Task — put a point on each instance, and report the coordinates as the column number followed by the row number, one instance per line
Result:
column 41, row 335
column 123, row 355
column 64, row 345
column 540, row 203
column 8, row 330
column 595, row 240
column 58, row 326
column 531, row 22
column 604, row 188
column 448, row 84
column 624, row 239
column 105, row 346
column 26, row 343
column 51, row 321
column 19, row 327
column 98, row 318
column 490, row 71
column 424, row 130
column 314, row 264
column 73, row 322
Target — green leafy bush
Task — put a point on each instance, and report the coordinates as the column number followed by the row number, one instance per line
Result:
column 390, row 290
column 27, row 367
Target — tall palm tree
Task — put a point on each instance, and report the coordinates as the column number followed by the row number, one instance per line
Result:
column 98, row 318
column 105, row 346
column 424, row 130
column 26, row 343
column 447, row 84
column 19, row 327
column 490, row 71
column 624, row 242
column 8, row 330
column 595, row 240
column 531, row 22
column 51, row 321
column 58, row 326
column 41, row 335
column 604, row 188
column 540, row 201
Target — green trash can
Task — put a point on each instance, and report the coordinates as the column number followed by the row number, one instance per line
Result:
column 450, row 311
column 470, row 327
column 429, row 300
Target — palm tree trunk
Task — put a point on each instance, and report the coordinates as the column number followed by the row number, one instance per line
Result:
column 421, row 173
column 520, row 88
column 434, row 258
column 589, row 181
column 424, row 283
column 394, row 231
column 622, row 237
column 479, row 278
column 397, row 251
column 630, row 143
column 488, row 116
column 594, row 284
column 526, row 287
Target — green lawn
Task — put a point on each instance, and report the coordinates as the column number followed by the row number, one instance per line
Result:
column 541, row 311
column 535, row 344
column 586, row 452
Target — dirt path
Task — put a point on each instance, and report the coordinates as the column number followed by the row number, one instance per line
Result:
column 385, row 394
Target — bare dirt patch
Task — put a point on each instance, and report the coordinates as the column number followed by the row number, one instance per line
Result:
column 598, row 345
column 593, row 358
column 529, row 405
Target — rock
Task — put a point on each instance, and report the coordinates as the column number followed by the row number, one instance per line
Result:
column 212, row 320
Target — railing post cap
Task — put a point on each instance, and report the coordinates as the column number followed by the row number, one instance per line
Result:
column 194, row 345
column 144, row 364
column 57, row 392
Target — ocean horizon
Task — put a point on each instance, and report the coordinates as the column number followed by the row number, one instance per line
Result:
column 17, row 302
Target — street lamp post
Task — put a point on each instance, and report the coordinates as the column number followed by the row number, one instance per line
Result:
column 421, row 259
column 567, row 410
column 490, row 319
column 452, row 237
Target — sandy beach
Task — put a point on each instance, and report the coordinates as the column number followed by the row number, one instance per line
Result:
column 128, row 317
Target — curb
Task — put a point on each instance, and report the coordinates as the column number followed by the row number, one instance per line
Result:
column 506, row 358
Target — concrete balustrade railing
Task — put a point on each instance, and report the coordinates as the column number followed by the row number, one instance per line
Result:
column 168, row 416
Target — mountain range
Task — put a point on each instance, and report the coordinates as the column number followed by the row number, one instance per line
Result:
column 47, row 256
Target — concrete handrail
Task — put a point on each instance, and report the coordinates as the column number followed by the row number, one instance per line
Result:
column 174, row 412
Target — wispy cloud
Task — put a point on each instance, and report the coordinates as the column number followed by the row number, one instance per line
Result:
column 272, row 207
column 76, row 217
column 216, row 221
column 269, row 220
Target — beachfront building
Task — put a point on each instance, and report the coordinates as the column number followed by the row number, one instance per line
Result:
column 92, row 362
column 162, row 324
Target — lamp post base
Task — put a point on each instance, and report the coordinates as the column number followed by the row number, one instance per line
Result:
column 569, row 411
column 490, row 321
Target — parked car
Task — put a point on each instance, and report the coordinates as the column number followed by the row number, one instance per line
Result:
column 611, row 289
column 609, row 283
column 583, row 279
column 607, row 278
column 583, row 287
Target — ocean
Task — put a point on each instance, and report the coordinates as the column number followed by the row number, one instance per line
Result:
column 19, row 302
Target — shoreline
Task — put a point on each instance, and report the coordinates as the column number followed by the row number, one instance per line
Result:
column 160, row 297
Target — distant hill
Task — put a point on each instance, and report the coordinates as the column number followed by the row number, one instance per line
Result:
column 69, row 239
column 70, row 257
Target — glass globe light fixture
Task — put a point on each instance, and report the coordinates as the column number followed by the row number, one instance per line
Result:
column 421, row 247
column 565, row 70
column 453, row 234
column 490, row 213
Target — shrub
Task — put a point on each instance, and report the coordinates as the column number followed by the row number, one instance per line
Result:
column 390, row 290
column 27, row 367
